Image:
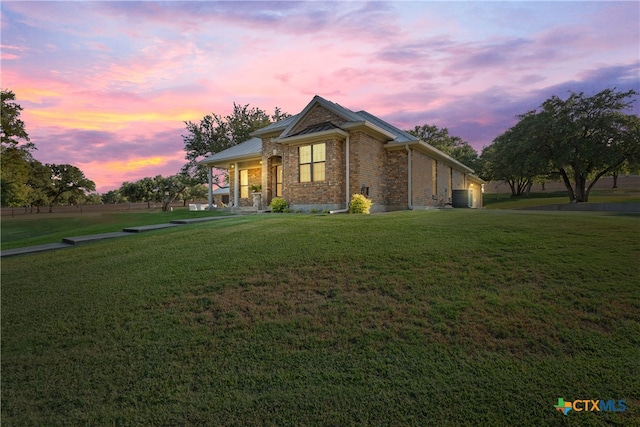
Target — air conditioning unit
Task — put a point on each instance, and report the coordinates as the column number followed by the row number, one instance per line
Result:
column 461, row 199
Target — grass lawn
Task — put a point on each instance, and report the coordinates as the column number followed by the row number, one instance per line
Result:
column 450, row 317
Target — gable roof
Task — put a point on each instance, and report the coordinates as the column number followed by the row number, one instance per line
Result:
column 348, row 115
column 284, row 128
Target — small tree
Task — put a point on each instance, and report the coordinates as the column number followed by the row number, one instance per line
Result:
column 67, row 182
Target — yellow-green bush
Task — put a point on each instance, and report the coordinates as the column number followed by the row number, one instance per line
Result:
column 360, row 204
column 278, row 204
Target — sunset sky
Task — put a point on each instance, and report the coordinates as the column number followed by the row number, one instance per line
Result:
column 107, row 86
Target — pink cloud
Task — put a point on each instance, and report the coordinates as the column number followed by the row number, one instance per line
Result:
column 111, row 88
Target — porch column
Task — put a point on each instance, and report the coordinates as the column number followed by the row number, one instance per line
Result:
column 236, row 186
column 210, row 187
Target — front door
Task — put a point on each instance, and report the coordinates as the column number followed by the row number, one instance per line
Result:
column 278, row 180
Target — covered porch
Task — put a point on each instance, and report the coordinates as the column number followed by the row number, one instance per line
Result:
column 252, row 181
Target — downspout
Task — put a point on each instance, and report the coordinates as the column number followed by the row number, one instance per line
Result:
column 346, row 191
column 409, row 177
column 236, row 184
column 209, row 175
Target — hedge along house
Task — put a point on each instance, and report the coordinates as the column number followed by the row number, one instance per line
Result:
column 320, row 157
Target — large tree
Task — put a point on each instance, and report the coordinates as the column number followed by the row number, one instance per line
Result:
column 16, row 152
column 215, row 133
column 585, row 137
column 454, row 146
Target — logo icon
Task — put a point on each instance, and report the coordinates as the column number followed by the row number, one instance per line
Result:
column 563, row 406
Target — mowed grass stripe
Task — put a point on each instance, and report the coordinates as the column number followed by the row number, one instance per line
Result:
column 442, row 317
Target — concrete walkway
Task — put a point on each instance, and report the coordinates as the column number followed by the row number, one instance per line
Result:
column 68, row 242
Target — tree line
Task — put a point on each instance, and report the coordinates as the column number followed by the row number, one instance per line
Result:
column 577, row 140
column 27, row 182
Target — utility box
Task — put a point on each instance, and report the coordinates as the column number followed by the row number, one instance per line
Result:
column 461, row 199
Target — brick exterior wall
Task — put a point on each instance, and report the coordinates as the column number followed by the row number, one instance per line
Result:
column 327, row 192
column 421, row 185
column 368, row 160
column 442, row 195
column 396, row 172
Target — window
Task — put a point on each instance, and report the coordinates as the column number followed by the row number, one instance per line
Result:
column 312, row 163
column 278, row 180
column 244, row 184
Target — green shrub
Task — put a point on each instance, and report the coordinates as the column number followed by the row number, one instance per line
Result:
column 286, row 210
column 360, row 204
column 314, row 211
column 278, row 204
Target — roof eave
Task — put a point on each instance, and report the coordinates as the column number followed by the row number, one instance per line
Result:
column 475, row 178
column 261, row 133
column 224, row 163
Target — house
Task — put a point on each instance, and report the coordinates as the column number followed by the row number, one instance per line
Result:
column 320, row 157
column 220, row 196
